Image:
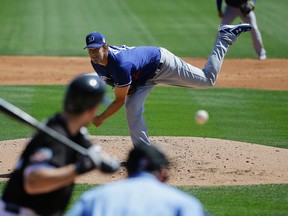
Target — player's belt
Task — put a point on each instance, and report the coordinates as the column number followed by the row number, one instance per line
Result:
column 161, row 62
column 159, row 67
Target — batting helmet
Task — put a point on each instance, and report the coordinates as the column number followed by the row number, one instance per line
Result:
column 84, row 92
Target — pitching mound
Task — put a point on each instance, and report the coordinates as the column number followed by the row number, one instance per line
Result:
column 195, row 161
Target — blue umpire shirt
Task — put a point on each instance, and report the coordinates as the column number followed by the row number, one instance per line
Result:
column 129, row 65
column 140, row 195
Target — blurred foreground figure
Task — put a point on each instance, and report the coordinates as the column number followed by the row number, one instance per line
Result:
column 43, row 179
column 142, row 193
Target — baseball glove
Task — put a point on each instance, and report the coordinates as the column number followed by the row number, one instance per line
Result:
column 247, row 7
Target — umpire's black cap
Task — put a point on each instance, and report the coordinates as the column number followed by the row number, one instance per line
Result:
column 84, row 92
column 145, row 158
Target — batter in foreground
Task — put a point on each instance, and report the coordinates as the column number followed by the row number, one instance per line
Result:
column 135, row 71
column 43, row 179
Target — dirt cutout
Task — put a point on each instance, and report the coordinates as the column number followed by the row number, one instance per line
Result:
column 195, row 161
column 235, row 73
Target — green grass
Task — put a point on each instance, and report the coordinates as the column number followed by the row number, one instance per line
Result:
column 227, row 200
column 188, row 28
column 39, row 101
column 255, row 116
column 243, row 200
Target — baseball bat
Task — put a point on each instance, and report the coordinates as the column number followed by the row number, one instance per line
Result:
column 108, row 164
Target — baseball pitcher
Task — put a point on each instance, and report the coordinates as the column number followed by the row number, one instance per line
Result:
column 135, row 71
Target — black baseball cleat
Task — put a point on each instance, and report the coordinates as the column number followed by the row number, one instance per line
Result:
column 235, row 30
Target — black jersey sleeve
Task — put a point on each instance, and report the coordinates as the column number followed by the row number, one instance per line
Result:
column 44, row 151
column 47, row 150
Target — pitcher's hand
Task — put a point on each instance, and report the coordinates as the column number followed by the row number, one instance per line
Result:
column 220, row 14
column 97, row 121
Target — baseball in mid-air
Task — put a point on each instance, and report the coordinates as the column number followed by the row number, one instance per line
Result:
column 201, row 117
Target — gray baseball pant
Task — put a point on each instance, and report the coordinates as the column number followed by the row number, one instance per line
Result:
column 231, row 13
column 175, row 72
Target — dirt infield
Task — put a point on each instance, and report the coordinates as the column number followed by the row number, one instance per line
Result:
column 236, row 73
column 195, row 161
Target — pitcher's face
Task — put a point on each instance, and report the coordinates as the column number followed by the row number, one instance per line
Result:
column 98, row 55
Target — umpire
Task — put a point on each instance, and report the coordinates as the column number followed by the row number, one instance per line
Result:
column 43, row 179
column 143, row 193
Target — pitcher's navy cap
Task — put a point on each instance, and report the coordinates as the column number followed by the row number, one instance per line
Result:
column 95, row 40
